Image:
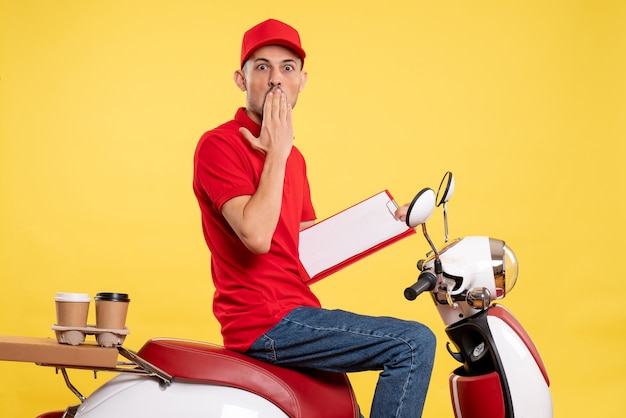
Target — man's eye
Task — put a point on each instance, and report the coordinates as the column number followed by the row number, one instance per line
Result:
column 289, row 67
column 262, row 67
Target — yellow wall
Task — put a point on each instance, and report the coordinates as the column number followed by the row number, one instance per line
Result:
column 102, row 102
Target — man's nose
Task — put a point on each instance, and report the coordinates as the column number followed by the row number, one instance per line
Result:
column 275, row 78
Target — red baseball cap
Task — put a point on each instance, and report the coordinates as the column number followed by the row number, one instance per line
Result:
column 270, row 32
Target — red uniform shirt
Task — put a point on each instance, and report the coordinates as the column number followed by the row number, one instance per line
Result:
column 252, row 292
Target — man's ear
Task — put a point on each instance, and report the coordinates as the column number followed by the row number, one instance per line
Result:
column 303, row 78
column 240, row 79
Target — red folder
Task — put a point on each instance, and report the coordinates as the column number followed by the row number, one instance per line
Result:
column 354, row 233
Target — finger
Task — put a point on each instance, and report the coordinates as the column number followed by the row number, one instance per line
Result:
column 288, row 113
column 282, row 111
column 401, row 211
column 267, row 106
column 276, row 104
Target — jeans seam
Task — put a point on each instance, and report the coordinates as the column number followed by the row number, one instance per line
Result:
column 270, row 348
column 408, row 377
column 393, row 337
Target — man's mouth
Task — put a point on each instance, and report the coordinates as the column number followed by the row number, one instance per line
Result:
column 274, row 88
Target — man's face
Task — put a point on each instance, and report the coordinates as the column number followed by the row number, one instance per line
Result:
column 270, row 67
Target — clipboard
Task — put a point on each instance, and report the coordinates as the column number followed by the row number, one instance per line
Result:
column 350, row 235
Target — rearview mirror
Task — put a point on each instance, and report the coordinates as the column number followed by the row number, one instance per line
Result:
column 421, row 207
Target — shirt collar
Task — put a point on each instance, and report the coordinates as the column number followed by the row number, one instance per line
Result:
column 244, row 120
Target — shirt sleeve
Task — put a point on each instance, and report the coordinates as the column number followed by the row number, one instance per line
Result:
column 221, row 171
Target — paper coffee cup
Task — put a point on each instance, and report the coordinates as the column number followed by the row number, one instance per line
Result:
column 111, row 310
column 72, row 309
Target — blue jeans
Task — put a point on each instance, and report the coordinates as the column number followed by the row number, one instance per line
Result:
column 340, row 341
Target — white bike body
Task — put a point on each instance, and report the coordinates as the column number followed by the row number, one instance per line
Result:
column 192, row 379
column 502, row 373
column 128, row 395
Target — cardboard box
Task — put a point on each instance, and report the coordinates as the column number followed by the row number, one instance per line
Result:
column 49, row 352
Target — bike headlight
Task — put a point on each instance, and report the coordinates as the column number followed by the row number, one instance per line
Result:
column 504, row 265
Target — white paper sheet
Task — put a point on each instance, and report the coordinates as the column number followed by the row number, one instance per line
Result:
column 349, row 233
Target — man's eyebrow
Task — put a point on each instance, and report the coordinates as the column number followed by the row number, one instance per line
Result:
column 287, row 60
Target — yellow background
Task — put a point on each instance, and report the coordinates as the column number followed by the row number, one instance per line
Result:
column 102, row 103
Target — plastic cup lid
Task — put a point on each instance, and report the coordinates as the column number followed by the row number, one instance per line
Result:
column 72, row 297
column 113, row 297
